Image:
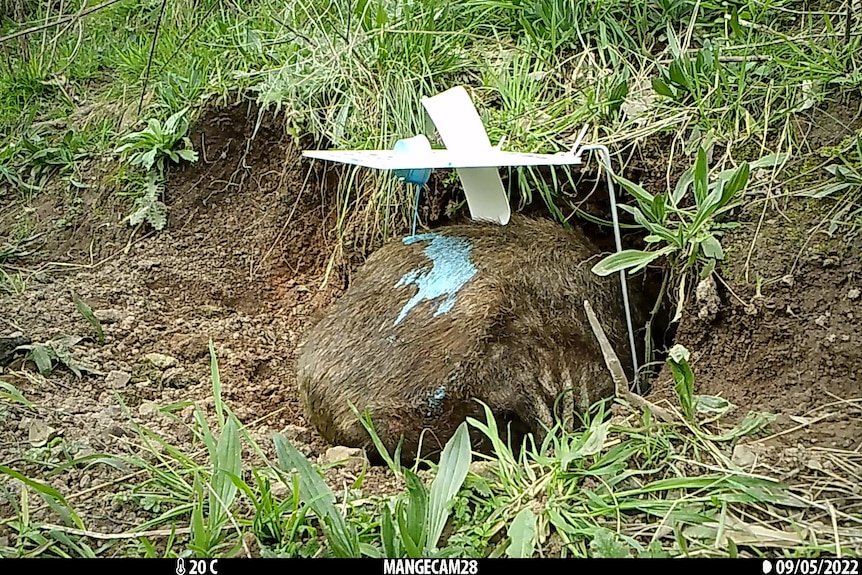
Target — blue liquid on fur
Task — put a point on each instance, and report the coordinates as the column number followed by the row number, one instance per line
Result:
column 435, row 402
column 451, row 270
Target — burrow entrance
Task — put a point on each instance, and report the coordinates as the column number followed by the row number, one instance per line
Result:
column 281, row 212
column 245, row 261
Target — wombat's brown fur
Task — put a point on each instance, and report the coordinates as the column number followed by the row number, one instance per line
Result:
column 516, row 337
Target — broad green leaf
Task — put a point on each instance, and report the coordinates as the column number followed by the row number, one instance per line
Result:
column 388, row 535
column 734, row 24
column 769, row 161
column 650, row 226
column 661, row 88
column 678, row 74
column 382, row 17
column 711, row 247
column 227, row 464
column 596, row 436
column 824, row 191
column 200, row 535
column 174, row 121
column 555, row 516
column 752, row 422
column 154, row 127
column 412, row 548
column 522, row 535
column 736, row 184
column 42, row 358
column 412, row 515
column 453, row 468
column 147, row 159
column 641, row 195
column 188, row 155
column 361, row 10
column 672, row 42
column 369, row 550
column 314, row 492
column 844, row 173
column 627, row 259
column 711, row 404
column 707, row 207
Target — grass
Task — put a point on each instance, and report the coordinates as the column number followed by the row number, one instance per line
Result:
column 721, row 86
column 353, row 76
column 625, row 485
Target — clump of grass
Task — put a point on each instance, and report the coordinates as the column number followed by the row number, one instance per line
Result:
column 623, row 485
column 845, row 185
column 353, row 76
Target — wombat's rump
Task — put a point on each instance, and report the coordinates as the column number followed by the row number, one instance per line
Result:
column 433, row 323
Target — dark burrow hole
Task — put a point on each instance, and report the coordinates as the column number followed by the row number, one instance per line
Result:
column 581, row 198
column 586, row 189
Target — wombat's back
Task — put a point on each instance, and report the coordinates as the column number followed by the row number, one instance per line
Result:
column 433, row 323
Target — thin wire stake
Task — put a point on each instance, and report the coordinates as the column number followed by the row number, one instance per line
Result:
column 416, row 208
column 606, row 156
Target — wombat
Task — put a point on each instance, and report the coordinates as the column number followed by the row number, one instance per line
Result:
column 434, row 322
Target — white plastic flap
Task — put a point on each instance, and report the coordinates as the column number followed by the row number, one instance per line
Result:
column 462, row 131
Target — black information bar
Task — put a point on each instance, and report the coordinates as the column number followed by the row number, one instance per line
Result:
column 774, row 566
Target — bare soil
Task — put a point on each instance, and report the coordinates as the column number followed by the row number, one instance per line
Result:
column 243, row 261
column 786, row 338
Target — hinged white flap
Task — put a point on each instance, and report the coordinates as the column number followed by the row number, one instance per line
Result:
column 462, row 131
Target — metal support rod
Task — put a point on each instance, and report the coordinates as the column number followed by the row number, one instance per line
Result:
column 606, row 155
column 416, row 208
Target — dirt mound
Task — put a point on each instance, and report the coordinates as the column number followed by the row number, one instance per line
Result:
column 795, row 346
column 241, row 262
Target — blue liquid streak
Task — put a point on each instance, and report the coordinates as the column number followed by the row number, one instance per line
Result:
column 451, row 270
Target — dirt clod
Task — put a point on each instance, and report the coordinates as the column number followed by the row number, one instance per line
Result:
column 117, row 379
column 161, row 360
column 341, row 453
column 707, row 298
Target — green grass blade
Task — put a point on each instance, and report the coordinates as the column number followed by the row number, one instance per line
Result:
column 314, row 492
column 46, row 492
column 216, row 382
column 88, row 314
column 13, row 394
column 228, row 463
